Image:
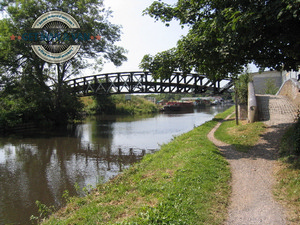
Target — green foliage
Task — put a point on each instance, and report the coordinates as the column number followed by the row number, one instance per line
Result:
column 44, row 212
column 118, row 105
column 223, row 36
column 290, row 145
column 25, row 101
column 242, row 136
column 104, row 104
column 287, row 188
column 186, row 182
column 66, row 196
column 137, row 105
column 38, row 87
column 287, row 191
column 89, row 105
column 241, row 85
column 162, row 64
column 271, row 87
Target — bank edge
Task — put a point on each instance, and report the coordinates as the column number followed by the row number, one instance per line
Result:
column 186, row 182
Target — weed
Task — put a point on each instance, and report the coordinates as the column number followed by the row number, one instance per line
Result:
column 44, row 212
column 66, row 196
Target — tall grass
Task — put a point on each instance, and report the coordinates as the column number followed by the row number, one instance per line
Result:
column 290, row 145
column 287, row 189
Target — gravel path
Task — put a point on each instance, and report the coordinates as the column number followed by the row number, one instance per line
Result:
column 252, row 202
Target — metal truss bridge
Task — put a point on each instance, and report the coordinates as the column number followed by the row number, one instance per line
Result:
column 143, row 82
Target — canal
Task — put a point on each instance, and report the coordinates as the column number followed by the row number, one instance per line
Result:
column 43, row 166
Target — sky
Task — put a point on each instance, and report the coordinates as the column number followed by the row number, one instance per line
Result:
column 141, row 35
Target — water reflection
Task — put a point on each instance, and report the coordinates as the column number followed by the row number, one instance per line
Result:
column 42, row 167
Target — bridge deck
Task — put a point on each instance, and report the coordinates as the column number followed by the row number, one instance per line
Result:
column 143, row 82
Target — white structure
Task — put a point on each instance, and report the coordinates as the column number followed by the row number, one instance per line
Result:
column 277, row 78
column 288, row 75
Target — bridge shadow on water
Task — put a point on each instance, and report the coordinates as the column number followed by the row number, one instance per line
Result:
column 42, row 167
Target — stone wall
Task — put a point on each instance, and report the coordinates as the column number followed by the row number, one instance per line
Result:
column 291, row 89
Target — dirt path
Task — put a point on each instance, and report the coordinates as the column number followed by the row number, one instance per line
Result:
column 252, row 202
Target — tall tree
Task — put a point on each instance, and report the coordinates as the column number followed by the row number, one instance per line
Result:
column 226, row 35
column 44, row 83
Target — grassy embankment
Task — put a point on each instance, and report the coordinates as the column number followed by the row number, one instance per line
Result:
column 287, row 189
column 186, row 182
column 119, row 106
column 243, row 136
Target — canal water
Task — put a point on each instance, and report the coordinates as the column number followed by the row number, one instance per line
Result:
column 42, row 167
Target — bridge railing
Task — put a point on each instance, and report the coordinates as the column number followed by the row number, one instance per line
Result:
column 142, row 82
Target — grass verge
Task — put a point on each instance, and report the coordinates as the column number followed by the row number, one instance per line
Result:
column 243, row 136
column 287, row 189
column 186, row 182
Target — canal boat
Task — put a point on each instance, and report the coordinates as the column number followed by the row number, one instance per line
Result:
column 178, row 106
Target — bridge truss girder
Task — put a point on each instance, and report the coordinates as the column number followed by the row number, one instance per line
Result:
column 143, row 82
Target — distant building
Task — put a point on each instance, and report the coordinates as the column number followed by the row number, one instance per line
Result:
column 151, row 99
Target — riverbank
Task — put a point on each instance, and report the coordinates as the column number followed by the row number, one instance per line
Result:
column 186, row 182
column 165, row 187
column 118, row 105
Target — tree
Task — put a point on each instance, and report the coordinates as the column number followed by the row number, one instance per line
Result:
column 43, row 83
column 226, row 35
column 241, row 93
column 241, row 85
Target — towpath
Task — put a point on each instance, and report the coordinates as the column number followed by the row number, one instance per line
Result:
column 252, row 201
